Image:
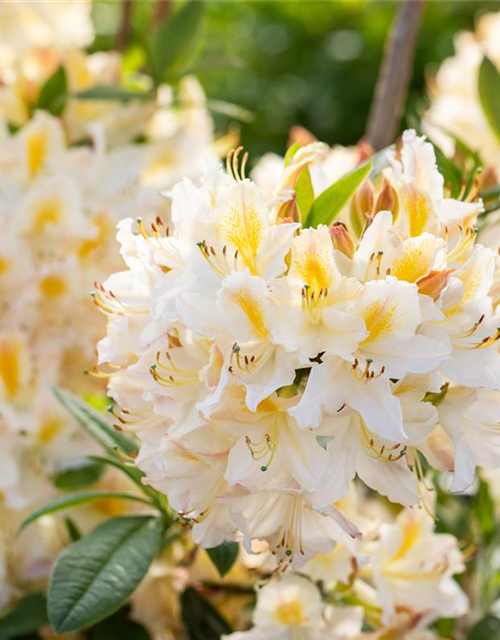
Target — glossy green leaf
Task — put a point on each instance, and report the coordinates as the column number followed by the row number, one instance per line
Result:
column 112, row 92
column 80, row 474
column 96, row 424
column 224, row 556
column 94, row 577
column 489, row 93
column 77, row 499
column 54, row 92
column 305, row 192
column 330, row 203
column 29, row 614
column 488, row 628
column 177, row 41
column 201, row 620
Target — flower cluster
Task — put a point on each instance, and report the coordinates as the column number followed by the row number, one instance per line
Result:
column 264, row 365
column 399, row 582
column 456, row 111
column 59, row 206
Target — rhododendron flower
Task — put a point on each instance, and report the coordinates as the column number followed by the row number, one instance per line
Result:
column 264, row 366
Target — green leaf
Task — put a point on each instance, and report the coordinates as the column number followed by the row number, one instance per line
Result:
column 489, row 93
column 76, row 499
column 224, row 556
column 381, row 160
column 291, row 151
column 451, row 173
column 201, row 620
column 330, row 203
column 484, row 509
column 80, row 474
column 488, row 628
column 112, row 92
column 73, row 531
column 94, row 577
column 54, row 92
column 177, row 41
column 118, row 627
column 95, row 424
column 230, row 109
column 305, row 192
column 29, row 615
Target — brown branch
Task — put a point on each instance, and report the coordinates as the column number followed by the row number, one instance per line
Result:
column 162, row 10
column 124, row 28
column 395, row 74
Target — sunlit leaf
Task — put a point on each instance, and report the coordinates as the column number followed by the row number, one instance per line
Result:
column 290, row 152
column 330, row 203
column 305, row 192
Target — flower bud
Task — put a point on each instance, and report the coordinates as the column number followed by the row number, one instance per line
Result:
column 387, row 199
column 342, row 239
column 288, row 211
column 362, row 206
column 433, row 284
column 487, row 178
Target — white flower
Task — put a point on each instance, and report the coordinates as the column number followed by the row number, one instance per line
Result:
column 412, row 567
column 291, row 607
column 277, row 364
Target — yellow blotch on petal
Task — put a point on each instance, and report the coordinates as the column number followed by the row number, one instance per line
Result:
column 290, row 613
column 418, row 207
column 53, row 286
column 48, row 212
column 253, row 311
column 241, row 226
column 4, row 265
column 313, row 261
column 411, row 533
column 415, row 263
column 50, row 427
column 380, row 318
column 36, row 150
column 104, row 228
column 268, row 405
column 14, row 364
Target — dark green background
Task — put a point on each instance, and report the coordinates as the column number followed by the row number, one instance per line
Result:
column 313, row 63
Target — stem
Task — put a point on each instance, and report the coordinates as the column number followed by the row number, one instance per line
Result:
column 161, row 11
column 395, row 74
column 124, row 28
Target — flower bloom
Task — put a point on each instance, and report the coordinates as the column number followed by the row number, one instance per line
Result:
column 264, row 366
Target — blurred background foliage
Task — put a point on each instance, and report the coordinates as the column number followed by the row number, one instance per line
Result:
column 312, row 63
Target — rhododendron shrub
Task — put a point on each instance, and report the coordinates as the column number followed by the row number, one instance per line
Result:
column 264, row 354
